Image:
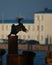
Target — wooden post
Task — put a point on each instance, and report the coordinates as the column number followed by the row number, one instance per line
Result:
column 12, row 44
column 28, row 57
column 48, row 59
column 12, row 56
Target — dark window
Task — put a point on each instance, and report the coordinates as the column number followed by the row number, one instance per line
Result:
column 2, row 27
column 28, row 36
column 41, row 38
column 38, row 18
column 41, row 27
column 42, row 18
column 28, row 27
column 38, row 27
column 33, row 28
column 6, row 27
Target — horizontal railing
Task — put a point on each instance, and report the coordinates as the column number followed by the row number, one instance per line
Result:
column 28, row 47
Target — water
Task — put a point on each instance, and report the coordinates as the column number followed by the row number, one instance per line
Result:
column 38, row 60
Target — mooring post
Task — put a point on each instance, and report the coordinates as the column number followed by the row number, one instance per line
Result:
column 48, row 59
column 12, row 44
column 28, row 57
column 12, row 56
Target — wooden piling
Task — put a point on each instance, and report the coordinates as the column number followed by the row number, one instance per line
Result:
column 12, row 44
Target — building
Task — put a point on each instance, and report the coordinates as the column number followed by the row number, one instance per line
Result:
column 43, row 24
column 5, row 28
column 38, row 29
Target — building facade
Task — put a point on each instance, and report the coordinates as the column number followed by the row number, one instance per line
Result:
column 39, row 29
column 43, row 24
column 5, row 29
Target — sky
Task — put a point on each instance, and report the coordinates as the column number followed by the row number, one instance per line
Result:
column 10, row 9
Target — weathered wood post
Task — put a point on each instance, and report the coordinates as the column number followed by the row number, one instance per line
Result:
column 28, row 57
column 48, row 59
column 12, row 57
column 12, row 44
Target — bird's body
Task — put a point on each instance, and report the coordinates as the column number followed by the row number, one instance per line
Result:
column 16, row 28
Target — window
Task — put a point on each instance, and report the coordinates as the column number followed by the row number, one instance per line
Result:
column 2, row 27
column 38, row 27
column 38, row 18
column 2, row 36
column 41, row 27
column 38, row 37
column 33, row 28
column 6, row 27
column 28, row 27
column 6, row 36
column 41, row 38
column 28, row 36
column 42, row 18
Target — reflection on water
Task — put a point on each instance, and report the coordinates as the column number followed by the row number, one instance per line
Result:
column 38, row 60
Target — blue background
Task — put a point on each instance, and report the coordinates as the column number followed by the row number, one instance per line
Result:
column 11, row 9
